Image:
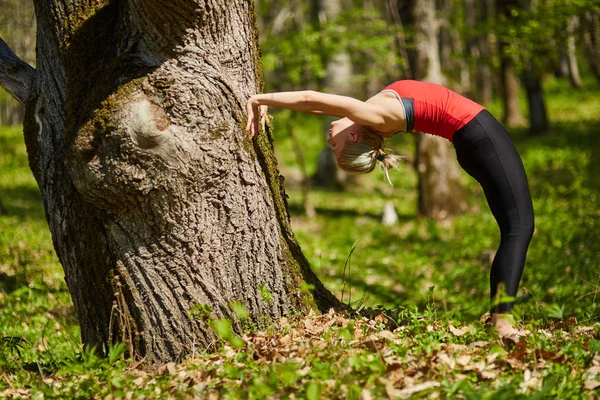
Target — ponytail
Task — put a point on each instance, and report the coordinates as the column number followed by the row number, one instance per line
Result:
column 362, row 156
column 388, row 161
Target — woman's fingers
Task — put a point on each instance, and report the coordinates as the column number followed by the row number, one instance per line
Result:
column 264, row 114
column 256, row 114
column 252, row 125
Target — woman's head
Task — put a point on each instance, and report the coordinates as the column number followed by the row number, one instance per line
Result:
column 357, row 148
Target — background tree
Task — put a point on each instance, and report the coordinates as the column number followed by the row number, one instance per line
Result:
column 509, row 81
column 591, row 37
column 441, row 192
column 161, row 209
column 479, row 19
column 337, row 79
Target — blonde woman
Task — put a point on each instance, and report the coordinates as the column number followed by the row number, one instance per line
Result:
column 483, row 148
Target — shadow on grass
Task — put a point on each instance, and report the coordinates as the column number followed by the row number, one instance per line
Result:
column 23, row 202
column 334, row 213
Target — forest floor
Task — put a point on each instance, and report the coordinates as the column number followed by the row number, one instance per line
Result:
column 431, row 278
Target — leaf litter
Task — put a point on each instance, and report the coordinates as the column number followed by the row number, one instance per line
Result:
column 364, row 357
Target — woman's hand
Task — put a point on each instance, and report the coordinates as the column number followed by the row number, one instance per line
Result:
column 256, row 114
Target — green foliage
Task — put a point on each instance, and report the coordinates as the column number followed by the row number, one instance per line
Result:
column 265, row 294
column 297, row 55
column 539, row 34
column 200, row 311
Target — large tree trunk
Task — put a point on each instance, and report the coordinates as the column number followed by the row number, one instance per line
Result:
column 157, row 200
column 441, row 193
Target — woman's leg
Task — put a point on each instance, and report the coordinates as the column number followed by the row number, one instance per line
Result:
column 485, row 151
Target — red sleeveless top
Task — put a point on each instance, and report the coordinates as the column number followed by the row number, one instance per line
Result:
column 438, row 110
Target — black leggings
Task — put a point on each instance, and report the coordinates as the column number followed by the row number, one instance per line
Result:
column 485, row 151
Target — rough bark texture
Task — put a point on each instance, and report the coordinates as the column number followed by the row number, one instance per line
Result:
column 157, row 200
column 441, row 194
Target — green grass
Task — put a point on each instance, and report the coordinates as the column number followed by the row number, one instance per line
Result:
column 434, row 275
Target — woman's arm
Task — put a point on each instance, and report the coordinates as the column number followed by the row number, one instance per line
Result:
column 313, row 102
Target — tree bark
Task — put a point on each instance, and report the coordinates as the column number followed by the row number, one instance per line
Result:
column 441, row 194
column 158, row 202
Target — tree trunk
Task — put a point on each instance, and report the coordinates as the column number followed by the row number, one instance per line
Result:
column 532, row 78
column 591, row 41
column 535, row 99
column 158, row 202
column 574, row 77
column 441, row 193
column 508, row 76
column 480, row 15
column 338, row 80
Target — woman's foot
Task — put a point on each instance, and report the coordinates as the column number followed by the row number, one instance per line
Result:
column 505, row 326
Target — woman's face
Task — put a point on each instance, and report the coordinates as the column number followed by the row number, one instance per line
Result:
column 341, row 131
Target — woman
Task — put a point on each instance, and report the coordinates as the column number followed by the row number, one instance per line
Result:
column 483, row 149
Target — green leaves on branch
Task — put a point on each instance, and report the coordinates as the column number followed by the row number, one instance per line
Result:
column 299, row 54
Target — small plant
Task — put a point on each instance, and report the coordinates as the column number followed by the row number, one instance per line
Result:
column 200, row 311
column 265, row 293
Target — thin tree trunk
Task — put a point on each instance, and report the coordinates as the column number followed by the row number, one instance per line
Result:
column 535, row 98
column 483, row 92
column 573, row 67
column 508, row 76
column 158, row 202
column 532, row 78
column 338, row 80
column 591, row 41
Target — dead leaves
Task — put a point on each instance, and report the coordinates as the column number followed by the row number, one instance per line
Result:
column 332, row 352
column 592, row 375
column 418, row 368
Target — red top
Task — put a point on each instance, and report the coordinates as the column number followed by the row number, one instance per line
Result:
column 438, row 110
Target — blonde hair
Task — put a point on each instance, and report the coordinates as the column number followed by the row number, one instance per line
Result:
column 362, row 156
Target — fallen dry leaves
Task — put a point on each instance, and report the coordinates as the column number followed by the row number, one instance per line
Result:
column 405, row 364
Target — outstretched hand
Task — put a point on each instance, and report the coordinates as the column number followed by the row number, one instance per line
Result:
column 256, row 114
